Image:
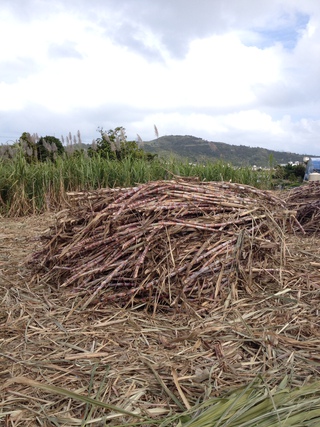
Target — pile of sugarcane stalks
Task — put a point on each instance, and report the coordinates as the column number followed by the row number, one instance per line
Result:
column 305, row 200
column 166, row 243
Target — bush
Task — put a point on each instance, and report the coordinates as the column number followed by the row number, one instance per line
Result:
column 48, row 148
column 113, row 145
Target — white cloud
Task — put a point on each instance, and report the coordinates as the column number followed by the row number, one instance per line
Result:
column 242, row 72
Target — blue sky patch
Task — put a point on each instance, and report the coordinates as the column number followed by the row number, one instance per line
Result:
column 287, row 33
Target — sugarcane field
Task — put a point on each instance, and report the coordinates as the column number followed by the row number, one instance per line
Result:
column 176, row 302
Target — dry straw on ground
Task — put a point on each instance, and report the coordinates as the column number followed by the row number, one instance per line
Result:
column 227, row 289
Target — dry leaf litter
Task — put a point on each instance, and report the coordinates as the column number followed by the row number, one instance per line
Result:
column 156, row 297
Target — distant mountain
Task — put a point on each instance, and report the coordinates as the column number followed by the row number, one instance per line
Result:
column 199, row 150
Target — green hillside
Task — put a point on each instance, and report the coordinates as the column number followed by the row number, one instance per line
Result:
column 199, row 150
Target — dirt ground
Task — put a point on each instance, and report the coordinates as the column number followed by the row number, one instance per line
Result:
column 133, row 359
column 18, row 238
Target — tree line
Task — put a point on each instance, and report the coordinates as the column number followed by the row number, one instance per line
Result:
column 111, row 145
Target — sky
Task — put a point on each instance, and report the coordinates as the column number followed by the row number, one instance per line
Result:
column 243, row 72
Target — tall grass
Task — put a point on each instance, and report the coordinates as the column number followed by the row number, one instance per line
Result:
column 30, row 188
